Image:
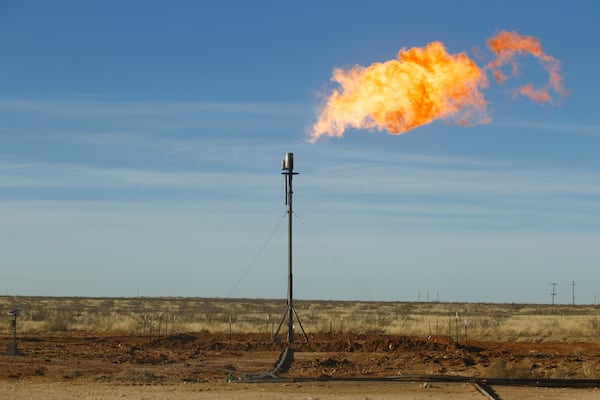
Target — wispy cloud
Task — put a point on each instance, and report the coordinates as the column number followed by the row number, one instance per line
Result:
column 176, row 127
column 445, row 177
column 44, row 175
column 562, row 127
column 118, row 107
column 364, row 172
column 343, row 156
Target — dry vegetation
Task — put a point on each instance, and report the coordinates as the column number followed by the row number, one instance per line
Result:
column 162, row 316
column 170, row 340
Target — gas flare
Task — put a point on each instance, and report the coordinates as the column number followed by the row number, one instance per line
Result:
column 506, row 45
column 422, row 84
column 425, row 84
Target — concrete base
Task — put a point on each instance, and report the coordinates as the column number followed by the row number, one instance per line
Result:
column 11, row 349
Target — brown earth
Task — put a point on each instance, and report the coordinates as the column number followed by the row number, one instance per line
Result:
column 202, row 362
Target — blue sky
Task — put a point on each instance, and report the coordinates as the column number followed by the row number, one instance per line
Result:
column 141, row 144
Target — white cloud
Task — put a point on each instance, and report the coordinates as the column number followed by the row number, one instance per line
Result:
column 381, row 178
column 80, row 176
column 92, row 107
column 558, row 127
column 453, row 179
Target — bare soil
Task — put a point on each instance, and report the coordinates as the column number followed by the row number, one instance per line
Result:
column 207, row 365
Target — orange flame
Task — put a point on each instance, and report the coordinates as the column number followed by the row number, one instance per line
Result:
column 506, row 45
column 421, row 85
column 424, row 84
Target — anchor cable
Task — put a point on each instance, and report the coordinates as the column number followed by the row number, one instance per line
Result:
column 337, row 260
column 257, row 255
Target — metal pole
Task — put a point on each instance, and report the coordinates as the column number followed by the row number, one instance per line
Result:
column 287, row 168
column 11, row 348
column 290, row 276
column 14, row 326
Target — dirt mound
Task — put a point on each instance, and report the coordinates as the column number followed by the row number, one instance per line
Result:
column 201, row 356
column 378, row 343
column 180, row 340
column 205, row 341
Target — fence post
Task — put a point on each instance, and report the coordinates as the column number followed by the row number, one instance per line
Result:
column 230, row 331
column 429, row 322
column 457, row 327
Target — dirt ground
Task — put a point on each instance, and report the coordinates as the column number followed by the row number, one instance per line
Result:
column 217, row 366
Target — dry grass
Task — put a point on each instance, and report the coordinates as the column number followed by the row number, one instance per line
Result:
column 161, row 316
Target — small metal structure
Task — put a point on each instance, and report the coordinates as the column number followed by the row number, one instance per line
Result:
column 11, row 348
column 287, row 168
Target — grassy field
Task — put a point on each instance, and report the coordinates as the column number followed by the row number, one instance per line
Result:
column 168, row 315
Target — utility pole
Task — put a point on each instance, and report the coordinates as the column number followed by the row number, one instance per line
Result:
column 573, row 285
column 553, row 291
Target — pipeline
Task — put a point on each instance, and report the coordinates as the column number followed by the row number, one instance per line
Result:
column 283, row 363
column 484, row 382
